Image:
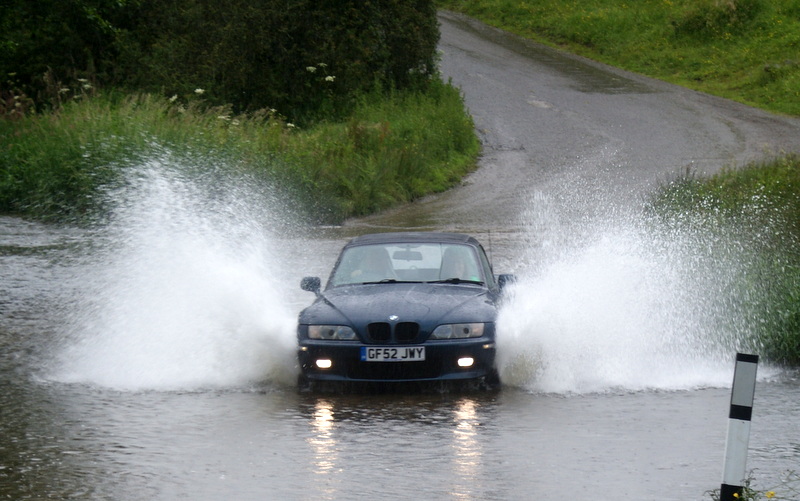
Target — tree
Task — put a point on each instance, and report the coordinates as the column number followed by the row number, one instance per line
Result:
column 303, row 57
column 47, row 41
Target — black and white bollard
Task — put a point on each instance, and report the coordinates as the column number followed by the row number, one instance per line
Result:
column 742, row 393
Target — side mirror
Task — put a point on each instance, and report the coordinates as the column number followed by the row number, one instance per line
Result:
column 505, row 280
column 311, row 284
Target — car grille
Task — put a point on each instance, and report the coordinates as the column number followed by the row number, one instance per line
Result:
column 404, row 332
column 379, row 331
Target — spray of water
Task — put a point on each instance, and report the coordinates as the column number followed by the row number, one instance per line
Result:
column 611, row 300
column 185, row 289
column 182, row 288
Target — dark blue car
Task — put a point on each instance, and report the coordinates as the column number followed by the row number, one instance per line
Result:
column 403, row 307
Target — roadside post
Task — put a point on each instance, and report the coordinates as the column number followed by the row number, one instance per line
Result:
column 741, row 410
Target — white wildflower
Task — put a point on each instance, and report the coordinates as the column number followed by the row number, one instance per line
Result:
column 199, row 91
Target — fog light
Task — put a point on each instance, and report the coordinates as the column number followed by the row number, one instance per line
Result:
column 465, row 362
column 324, row 363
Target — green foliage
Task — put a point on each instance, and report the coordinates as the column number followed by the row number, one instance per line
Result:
column 746, row 50
column 757, row 210
column 391, row 149
column 307, row 58
column 65, row 39
column 717, row 18
column 788, row 489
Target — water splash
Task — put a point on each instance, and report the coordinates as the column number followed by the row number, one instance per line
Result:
column 613, row 301
column 182, row 289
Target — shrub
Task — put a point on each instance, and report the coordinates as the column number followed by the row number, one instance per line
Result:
column 307, row 58
column 394, row 147
column 66, row 39
column 716, row 18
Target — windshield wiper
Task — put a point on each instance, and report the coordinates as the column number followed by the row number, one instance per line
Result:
column 392, row 281
column 456, row 281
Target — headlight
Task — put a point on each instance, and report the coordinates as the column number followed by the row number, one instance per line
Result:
column 331, row 332
column 458, row 331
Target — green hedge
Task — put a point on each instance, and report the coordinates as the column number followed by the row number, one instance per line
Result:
column 305, row 58
column 394, row 147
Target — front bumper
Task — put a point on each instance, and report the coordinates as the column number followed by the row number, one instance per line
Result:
column 440, row 364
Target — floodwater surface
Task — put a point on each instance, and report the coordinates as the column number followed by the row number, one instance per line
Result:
column 153, row 357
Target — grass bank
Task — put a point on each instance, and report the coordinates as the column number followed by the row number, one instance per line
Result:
column 392, row 149
column 745, row 50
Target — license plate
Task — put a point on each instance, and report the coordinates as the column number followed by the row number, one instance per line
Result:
column 392, row 354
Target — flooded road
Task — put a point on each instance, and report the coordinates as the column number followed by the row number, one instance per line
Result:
column 153, row 358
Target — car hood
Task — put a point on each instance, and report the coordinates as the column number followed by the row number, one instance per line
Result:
column 427, row 304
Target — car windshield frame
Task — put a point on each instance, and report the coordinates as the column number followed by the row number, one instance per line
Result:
column 410, row 262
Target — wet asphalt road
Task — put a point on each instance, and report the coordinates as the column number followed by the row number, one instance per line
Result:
column 558, row 123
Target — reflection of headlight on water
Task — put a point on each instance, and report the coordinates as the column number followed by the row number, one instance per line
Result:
column 323, row 417
column 322, row 441
column 466, row 417
column 466, row 446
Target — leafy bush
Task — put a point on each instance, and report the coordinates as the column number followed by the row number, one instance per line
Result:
column 392, row 148
column 305, row 58
column 65, row 39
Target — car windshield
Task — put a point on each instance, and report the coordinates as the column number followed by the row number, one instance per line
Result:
column 398, row 262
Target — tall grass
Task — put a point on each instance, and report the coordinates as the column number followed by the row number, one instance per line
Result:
column 747, row 50
column 392, row 149
column 757, row 211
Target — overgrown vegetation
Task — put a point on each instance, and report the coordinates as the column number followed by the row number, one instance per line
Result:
column 788, row 489
column 337, row 102
column 394, row 147
column 746, row 50
column 243, row 53
column 757, row 210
